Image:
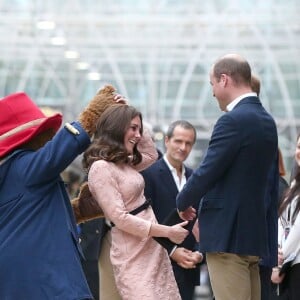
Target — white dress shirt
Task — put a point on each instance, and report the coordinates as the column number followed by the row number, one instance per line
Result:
column 232, row 104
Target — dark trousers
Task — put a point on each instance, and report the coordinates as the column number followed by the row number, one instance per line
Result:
column 186, row 288
column 265, row 283
column 293, row 289
column 90, row 269
column 294, row 283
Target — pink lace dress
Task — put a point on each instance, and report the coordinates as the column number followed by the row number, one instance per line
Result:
column 141, row 266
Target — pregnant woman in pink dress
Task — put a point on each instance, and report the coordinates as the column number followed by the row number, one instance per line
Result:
column 120, row 150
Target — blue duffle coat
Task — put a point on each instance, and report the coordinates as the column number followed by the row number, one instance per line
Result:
column 39, row 247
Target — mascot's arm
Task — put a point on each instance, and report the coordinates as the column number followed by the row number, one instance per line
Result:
column 85, row 207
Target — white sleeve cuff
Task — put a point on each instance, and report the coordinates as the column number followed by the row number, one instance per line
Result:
column 173, row 250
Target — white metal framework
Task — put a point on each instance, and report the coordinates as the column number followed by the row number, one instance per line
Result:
column 156, row 52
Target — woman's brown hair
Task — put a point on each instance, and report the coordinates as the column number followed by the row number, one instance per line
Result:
column 282, row 171
column 108, row 142
column 291, row 193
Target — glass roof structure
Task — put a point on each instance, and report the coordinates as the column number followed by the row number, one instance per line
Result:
column 157, row 53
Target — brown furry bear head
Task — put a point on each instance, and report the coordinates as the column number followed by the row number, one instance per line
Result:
column 102, row 100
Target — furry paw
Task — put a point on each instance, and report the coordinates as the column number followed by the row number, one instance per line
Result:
column 85, row 207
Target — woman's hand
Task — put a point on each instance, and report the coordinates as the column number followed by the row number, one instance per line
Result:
column 280, row 257
column 120, row 99
column 177, row 233
column 275, row 277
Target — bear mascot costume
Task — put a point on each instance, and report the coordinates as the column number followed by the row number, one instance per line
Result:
column 39, row 245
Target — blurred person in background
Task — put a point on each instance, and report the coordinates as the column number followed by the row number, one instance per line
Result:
column 289, row 235
column 271, row 205
column 163, row 180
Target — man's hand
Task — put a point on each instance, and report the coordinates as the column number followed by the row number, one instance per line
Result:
column 197, row 256
column 183, row 258
column 189, row 214
column 186, row 259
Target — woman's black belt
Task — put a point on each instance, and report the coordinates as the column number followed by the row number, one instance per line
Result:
column 137, row 210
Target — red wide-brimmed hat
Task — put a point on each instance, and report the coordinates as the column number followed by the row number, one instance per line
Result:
column 21, row 120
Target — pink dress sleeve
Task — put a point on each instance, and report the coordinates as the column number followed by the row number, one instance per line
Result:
column 148, row 150
column 104, row 186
